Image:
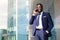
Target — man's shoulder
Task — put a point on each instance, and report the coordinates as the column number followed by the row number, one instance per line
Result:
column 46, row 12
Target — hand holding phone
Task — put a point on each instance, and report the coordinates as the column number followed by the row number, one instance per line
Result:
column 35, row 11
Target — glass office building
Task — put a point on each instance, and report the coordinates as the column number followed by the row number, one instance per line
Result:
column 23, row 23
column 7, row 19
column 11, row 29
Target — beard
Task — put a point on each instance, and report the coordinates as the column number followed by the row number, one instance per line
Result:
column 40, row 11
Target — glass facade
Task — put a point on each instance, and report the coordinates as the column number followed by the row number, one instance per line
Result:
column 3, row 19
column 11, row 29
column 23, row 23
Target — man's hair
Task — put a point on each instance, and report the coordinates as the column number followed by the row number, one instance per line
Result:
column 40, row 5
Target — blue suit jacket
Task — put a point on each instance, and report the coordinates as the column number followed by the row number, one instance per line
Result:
column 46, row 22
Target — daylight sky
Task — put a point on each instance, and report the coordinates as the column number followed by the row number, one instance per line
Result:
column 3, row 13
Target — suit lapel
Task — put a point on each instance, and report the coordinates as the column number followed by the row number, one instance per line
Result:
column 42, row 18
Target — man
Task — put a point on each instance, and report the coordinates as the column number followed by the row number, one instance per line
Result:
column 42, row 23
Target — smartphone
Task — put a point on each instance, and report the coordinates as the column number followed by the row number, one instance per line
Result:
column 36, row 10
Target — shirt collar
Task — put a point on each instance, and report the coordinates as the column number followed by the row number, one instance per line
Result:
column 41, row 13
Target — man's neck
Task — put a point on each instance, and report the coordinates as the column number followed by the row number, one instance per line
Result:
column 40, row 12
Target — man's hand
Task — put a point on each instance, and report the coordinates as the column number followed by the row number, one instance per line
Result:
column 34, row 12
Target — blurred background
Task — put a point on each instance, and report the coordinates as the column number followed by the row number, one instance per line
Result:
column 7, row 19
column 24, row 10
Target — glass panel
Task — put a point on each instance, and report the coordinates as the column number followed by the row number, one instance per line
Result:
column 11, row 20
column 23, row 11
column 3, row 18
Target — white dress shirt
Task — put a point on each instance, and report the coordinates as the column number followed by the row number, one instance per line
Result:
column 40, row 22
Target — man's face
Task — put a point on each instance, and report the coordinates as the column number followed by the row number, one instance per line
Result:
column 38, row 7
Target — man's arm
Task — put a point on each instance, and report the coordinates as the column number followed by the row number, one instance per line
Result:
column 50, row 22
column 32, row 19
